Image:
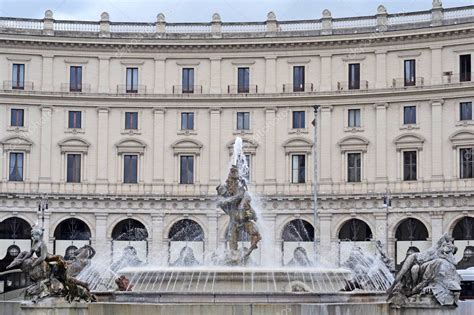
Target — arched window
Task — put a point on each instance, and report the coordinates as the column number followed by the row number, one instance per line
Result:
column 355, row 230
column 15, row 228
column 72, row 229
column 298, row 231
column 129, row 230
column 464, row 229
column 411, row 229
column 186, row 230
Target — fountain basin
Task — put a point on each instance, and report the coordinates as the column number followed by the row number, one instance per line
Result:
column 235, row 279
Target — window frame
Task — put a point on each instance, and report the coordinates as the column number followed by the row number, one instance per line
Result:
column 243, row 79
column 405, row 120
column 75, row 74
column 19, row 75
column 131, row 79
column 136, row 178
column 354, row 72
column 244, row 121
column 465, row 68
column 299, row 74
column 357, row 122
column 461, row 163
column 74, row 122
column 409, row 72
column 184, row 179
column 469, row 117
column 132, row 122
column 300, row 121
column 22, row 175
column 187, row 81
column 410, row 176
column 20, row 110
column 187, row 115
column 73, row 177
column 348, row 167
column 299, row 169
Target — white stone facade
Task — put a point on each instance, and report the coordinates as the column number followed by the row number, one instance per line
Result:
column 438, row 197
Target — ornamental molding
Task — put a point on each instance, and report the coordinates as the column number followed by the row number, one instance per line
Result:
column 353, row 143
column 463, row 137
column 409, row 141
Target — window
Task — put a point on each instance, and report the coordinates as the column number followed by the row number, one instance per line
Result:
column 353, row 167
column 130, row 169
column 298, row 173
column 75, row 79
column 187, row 121
column 16, row 167
column 73, row 168
column 467, row 163
column 354, row 76
column 188, row 80
column 409, row 165
column 465, row 111
column 243, row 78
column 17, row 118
column 298, row 79
column 75, row 120
column 298, row 120
column 131, row 120
column 354, row 117
column 410, row 73
column 186, row 169
column 247, row 174
column 243, row 121
column 409, row 115
column 18, row 76
column 465, row 68
column 132, row 80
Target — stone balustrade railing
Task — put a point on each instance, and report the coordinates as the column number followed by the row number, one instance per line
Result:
column 382, row 21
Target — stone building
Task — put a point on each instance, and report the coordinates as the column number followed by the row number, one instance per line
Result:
column 127, row 128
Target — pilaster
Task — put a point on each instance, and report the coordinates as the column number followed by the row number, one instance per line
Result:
column 104, row 74
column 215, row 75
column 270, row 150
column 214, row 145
column 437, row 139
column 381, row 141
column 270, row 74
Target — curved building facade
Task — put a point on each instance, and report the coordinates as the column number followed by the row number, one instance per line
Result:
column 127, row 128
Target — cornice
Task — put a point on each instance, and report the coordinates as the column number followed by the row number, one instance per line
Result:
column 293, row 42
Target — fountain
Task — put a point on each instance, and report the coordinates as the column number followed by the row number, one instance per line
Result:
column 228, row 279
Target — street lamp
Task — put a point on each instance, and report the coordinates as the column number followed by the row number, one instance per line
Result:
column 315, row 176
column 42, row 207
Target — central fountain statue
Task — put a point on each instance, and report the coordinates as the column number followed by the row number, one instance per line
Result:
column 236, row 202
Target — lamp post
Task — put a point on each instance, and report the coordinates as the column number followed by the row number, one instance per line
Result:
column 42, row 207
column 315, row 176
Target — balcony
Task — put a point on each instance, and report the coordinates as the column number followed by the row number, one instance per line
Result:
column 402, row 83
column 18, row 86
column 449, row 77
column 134, row 89
column 81, row 88
column 352, row 85
column 246, row 89
column 290, row 88
column 187, row 89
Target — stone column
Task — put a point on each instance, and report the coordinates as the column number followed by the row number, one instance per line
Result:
column 381, row 69
column 381, row 142
column 158, row 144
column 215, row 87
column 437, row 139
column 102, row 149
column 325, row 236
column 212, row 239
column 49, row 239
column 100, row 243
column 270, row 150
column 324, row 135
column 104, row 74
column 436, row 65
column 436, row 226
column 157, row 235
column 268, row 246
column 381, row 228
column 45, row 144
column 326, row 70
column 160, row 72
column 270, row 74
column 214, row 146
column 47, row 78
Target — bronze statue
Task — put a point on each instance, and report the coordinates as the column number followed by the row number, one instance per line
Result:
column 428, row 273
column 235, row 201
column 49, row 273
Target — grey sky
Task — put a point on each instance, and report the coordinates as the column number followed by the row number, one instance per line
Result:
column 202, row 10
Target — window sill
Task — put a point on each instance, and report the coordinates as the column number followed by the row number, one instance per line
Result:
column 354, row 129
column 409, row 127
column 74, row 131
column 465, row 123
column 187, row 132
column 242, row 132
column 17, row 129
column 131, row 132
column 298, row 131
